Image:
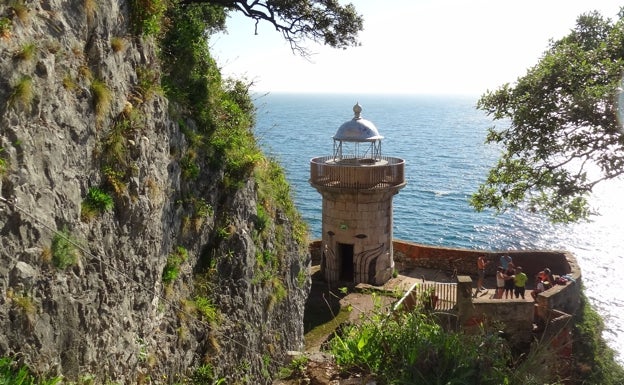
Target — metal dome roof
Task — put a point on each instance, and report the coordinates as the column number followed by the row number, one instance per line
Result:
column 357, row 129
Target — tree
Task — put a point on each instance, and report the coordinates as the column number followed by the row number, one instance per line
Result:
column 561, row 133
column 324, row 21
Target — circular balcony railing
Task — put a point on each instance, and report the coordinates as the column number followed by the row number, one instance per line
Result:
column 357, row 173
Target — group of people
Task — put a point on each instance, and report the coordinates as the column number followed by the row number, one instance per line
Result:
column 511, row 280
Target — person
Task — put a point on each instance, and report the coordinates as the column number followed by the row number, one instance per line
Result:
column 520, row 280
column 509, row 281
column 500, row 282
column 504, row 260
column 539, row 287
column 546, row 277
column 481, row 263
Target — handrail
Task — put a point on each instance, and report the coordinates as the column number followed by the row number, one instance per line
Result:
column 356, row 173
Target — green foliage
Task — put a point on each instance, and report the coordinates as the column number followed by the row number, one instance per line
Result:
column 148, row 82
column 326, row 22
column 410, row 348
column 97, row 201
column 6, row 27
column 147, row 16
column 172, row 267
column 22, row 95
column 189, row 166
column 65, row 252
column 262, row 218
column 560, row 125
column 27, row 52
column 4, row 164
column 296, row 368
column 206, row 308
column 274, row 193
column 595, row 360
column 11, row 373
column 204, row 375
column 102, row 98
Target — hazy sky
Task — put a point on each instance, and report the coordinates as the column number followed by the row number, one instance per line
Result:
column 409, row 46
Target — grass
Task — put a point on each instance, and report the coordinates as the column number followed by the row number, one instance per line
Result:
column 65, row 253
column 4, row 164
column 21, row 10
column 27, row 52
column 12, row 373
column 102, row 98
column 96, row 202
column 172, row 267
column 6, row 26
column 117, row 43
column 90, row 6
column 22, row 95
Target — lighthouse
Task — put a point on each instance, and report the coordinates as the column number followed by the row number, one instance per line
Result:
column 357, row 184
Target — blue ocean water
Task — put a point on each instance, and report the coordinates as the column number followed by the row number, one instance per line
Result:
column 441, row 138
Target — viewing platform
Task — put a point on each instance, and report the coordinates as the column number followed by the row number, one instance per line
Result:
column 357, row 173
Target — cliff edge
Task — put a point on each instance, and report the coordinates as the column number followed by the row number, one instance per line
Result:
column 117, row 263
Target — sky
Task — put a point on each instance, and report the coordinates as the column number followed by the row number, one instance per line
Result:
column 449, row 47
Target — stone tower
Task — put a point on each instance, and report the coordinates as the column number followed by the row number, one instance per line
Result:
column 357, row 184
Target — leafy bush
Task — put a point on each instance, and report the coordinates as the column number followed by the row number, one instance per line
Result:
column 65, row 253
column 410, row 348
column 147, row 16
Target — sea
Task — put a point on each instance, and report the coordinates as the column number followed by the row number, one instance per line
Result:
column 442, row 140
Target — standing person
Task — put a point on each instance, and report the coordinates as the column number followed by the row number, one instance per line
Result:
column 500, row 282
column 504, row 261
column 520, row 280
column 481, row 263
column 509, row 281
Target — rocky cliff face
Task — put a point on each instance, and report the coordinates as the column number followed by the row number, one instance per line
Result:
column 82, row 293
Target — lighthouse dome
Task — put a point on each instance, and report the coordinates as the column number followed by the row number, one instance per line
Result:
column 357, row 129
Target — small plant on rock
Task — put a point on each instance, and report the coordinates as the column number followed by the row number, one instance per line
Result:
column 5, row 27
column 97, row 201
column 117, row 44
column 27, row 52
column 22, row 95
column 172, row 267
column 64, row 250
column 101, row 98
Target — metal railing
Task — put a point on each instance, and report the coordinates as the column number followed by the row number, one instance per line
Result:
column 357, row 173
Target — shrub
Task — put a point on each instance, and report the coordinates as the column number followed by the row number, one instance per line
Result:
column 97, row 201
column 147, row 16
column 64, row 250
column 410, row 348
